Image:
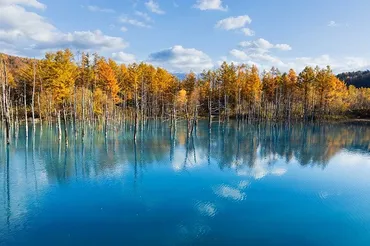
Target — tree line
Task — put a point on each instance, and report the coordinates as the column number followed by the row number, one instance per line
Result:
column 83, row 91
column 358, row 79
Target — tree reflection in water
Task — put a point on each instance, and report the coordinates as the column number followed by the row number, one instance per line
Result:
column 226, row 145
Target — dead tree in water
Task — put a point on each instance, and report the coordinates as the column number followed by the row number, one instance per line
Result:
column 1, row 107
column 33, row 96
column 65, row 125
column 136, row 115
column 25, row 108
column 106, row 118
column 16, row 124
column 39, row 104
column 5, row 103
column 59, row 127
column 75, row 112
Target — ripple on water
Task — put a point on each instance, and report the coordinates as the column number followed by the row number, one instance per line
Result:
column 323, row 195
column 243, row 184
column 206, row 208
column 229, row 192
column 192, row 231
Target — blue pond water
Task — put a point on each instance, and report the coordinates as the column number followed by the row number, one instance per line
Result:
column 247, row 185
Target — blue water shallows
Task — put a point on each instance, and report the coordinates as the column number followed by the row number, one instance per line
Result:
column 234, row 185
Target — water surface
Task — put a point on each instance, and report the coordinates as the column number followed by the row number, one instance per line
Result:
column 248, row 185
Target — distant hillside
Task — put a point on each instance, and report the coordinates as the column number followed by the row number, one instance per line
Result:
column 358, row 79
column 14, row 63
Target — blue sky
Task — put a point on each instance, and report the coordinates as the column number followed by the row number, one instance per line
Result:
column 184, row 35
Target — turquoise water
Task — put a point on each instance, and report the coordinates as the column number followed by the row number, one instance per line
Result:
column 252, row 185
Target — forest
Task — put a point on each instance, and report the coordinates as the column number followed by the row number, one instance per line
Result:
column 80, row 92
column 358, row 79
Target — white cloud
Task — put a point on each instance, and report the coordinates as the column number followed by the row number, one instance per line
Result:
column 261, row 59
column 357, row 63
column 210, row 5
column 248, row 32
column 262, row 45
column 94, row 40
column 336, row 24
column 123, row 57
column 283, row 47
column 180, row 59
column 244, row 44
column 332, row 24
column 233, row 23
column 94, row 8
column 225, row 59
column 154, row 7
column 133, row 22
column 143, row 15
column 260, row 52
column 264, row 60
column 30, row 32
column 251, row 54
column 83, row 40
column 338, row 65
column 123, row 29
column 239, row 54
column 309, row 61
column 18, row 23
column 30, row 3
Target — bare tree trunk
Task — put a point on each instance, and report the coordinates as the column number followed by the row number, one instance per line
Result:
column 38, row 102
column 83, row 112
column 33, row 97
column 50, row 110
column 124, row 108
column 136, row 115
column 65, row 125
column 106, row 119
column 75, row 111
column 16, row 120
column 226, row 109
column 210, row 106
column 11, row 111
column 219, row 106
column 174, row 114
column 142, row 103
column 194, row 120
column 2, row 108
column 188, row 119
column 92, row 104
column 305, row 103
column 6, row 103
column 59, row 127
column 89, row 103
column 25, row 109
